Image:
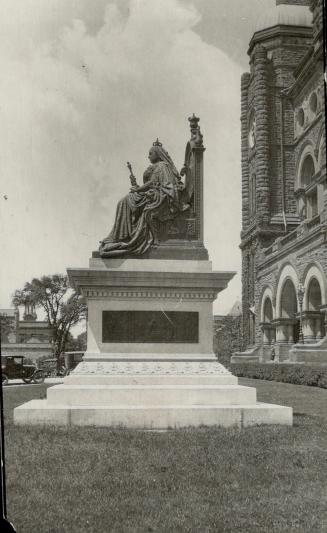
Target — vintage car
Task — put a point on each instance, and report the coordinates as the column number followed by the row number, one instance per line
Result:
column 13, row 367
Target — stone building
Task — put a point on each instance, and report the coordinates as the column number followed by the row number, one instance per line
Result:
column 29, row 337
column 284, row 195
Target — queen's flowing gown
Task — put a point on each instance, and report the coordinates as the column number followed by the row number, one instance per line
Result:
column 136, row 215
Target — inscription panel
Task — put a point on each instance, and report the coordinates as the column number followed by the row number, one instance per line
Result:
column 150, row 326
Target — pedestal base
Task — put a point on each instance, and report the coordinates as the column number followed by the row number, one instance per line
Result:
column 151, row 395
column 149, row 361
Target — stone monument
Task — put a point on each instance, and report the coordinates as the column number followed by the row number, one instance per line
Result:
column 150, row 288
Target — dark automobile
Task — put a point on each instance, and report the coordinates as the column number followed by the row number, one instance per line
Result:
column 13, row 367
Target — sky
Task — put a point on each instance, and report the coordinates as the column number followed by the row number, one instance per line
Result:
column 88, row 85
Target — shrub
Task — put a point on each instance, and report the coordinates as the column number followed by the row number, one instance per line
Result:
column 296, row 373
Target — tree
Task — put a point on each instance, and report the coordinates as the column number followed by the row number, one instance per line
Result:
column 82, row 341
column 63, row 307
column 76, row 344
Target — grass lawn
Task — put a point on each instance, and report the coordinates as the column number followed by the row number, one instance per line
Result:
column 265, row 479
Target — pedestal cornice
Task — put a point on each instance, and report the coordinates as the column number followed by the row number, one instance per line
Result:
column 115, row 283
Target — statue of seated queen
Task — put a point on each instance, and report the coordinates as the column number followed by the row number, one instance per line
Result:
column 159, row 199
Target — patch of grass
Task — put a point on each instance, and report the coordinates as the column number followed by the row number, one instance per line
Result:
column 310, row 401
column 265, row 479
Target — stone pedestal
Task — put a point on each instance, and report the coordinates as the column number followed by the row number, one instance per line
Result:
column 149, row 362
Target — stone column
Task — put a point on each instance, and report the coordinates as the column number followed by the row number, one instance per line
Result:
column 265, row 334
column 268, row 333
column 318, row 328
column 307, row 331
column 281, row 336
column 262, row 132
column 290, row 334
column 245, row 80
column 284, row 330
column 311, row 326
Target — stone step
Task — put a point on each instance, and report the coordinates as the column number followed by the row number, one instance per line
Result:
column 158, row 417
column 151, row 395
column 154, row 379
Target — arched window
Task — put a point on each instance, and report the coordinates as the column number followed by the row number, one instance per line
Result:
column 315, row 319
column 308, row 202
column 288, row 300
column 307, row 171
column 289, row 308
column 314, row 295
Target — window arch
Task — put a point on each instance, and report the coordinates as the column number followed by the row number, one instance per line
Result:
column 307, row 171
column 314, row 271
column 265, row 312
column 288, row 300
column 307, row 188
column 314, row 295
column 287, row 272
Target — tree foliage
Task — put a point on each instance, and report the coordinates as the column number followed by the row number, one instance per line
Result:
column 63, row 308
column 76, row 344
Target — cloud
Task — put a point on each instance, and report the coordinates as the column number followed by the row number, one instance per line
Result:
column 76, row 105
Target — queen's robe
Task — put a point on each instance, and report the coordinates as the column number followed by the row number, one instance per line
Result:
column 138, row 213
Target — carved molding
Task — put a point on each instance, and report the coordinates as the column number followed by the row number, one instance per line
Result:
column 151, row 368
column 126, row 294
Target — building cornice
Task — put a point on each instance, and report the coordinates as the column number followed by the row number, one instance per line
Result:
column 279, row 30
column 318, row 236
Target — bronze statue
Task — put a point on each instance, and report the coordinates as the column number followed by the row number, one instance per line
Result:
column 159, row 199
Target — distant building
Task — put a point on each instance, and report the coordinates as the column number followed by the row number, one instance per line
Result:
column 29, row 337
column 284, row 194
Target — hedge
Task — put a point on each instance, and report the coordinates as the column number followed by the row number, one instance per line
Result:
column 298, row 374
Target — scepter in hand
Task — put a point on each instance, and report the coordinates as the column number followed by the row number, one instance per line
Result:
column 131, row 176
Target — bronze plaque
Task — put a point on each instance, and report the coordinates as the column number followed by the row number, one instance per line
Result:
column 150, row 326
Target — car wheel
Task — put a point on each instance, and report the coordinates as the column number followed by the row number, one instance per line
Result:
column 27, row 379
column 38, row 376
column 4, row 379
